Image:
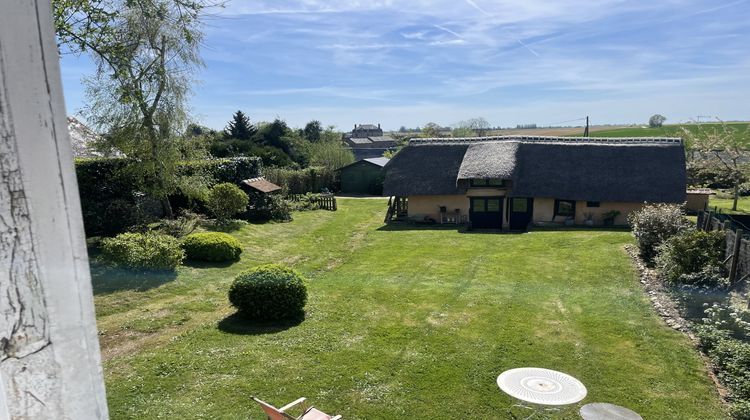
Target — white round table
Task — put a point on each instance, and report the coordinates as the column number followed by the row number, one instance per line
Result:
column 606, row 411
column 541, row 386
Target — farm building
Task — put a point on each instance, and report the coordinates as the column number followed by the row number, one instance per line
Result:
column 363, row 176
column 368, row 141
column 510, row 182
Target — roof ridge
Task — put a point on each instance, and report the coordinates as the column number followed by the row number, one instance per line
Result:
column 547, row 139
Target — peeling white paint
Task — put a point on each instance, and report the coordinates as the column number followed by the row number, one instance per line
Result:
column 49, row 353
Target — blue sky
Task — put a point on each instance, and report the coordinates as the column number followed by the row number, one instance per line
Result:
column 511, row 62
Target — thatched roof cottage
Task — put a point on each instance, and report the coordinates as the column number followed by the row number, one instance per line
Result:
column 509, row 182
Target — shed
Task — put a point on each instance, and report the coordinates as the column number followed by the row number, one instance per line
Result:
column 259, row 185
column 363, row 176
column 697, row 199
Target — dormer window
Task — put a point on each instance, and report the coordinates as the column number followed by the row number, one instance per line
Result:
column 488, row 182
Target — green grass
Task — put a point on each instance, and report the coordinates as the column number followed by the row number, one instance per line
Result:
column 664, row 131
column 725, row 204
column 401, row 323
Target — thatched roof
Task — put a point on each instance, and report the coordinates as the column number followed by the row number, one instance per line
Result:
column 424, row 170
column 591, row 169
column 489, row 160
column 601, row 172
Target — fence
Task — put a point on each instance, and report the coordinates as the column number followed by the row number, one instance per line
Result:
column 317, row 201
column 737, row 244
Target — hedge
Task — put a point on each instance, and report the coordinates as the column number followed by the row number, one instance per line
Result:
column 212, row 246
column 103, row 181
column 301, row 181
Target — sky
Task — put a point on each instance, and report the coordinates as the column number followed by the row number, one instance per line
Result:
column 406, row 63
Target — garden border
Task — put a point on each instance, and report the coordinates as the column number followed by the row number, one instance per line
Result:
column 668, row 309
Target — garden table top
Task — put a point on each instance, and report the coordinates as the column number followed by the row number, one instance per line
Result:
column 541, row 386
column 602, row 411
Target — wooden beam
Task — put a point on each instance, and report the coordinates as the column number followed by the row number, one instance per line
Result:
column 49, row 351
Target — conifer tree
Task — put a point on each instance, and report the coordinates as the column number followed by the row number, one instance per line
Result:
column 240, row 127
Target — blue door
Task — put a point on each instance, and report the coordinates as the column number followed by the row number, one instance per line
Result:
column 486, row 212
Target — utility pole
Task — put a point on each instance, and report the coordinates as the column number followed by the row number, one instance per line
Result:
column 586, row 130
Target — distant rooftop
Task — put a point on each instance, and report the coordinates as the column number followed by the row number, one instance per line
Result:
column 380, row 161
column 366, row 127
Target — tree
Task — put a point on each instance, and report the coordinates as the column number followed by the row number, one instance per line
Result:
column 145, row 53
column 312, row 131
column 478, row 125
column 271, row 134
column 463, row 132
column 431, row 129
column 722, row 147
column 656, row 120
column 240, row 127
column 330, row 154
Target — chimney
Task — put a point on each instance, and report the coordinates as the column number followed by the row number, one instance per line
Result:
column 378, row 125
column 355, row 126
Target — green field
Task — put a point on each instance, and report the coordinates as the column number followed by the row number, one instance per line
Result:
column 666, row 131
column 401, row 323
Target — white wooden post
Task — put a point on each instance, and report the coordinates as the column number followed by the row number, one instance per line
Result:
column 49, row 353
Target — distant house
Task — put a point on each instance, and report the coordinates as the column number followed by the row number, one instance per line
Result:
column 368, row 141
column 363, row 177
column 363, row 131
column 510, row 182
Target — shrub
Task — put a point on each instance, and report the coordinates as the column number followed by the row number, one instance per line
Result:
column 183, row 225
column 103, row 180
column 120, row 215
column 688, row 252
column 740, row 409
column 226, row 200
column 733, row 320
column 301, row 181
column 709, row 279
column 732, row 359
column 730, row 354
column 212, row 246
column 304, row 202
column 654, row 224
column 708, row 336
column 269, row 207
column 149, row 251
column 269, row 292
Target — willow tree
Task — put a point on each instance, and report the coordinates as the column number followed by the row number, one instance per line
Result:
column 146, row 53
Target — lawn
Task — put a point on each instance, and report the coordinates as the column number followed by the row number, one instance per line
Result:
column 725, row 204
column 401, row 323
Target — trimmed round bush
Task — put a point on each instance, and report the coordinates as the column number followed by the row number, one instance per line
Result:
column 212, row 246
column 269, row 292
column 150, row 251
column 226, row 200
